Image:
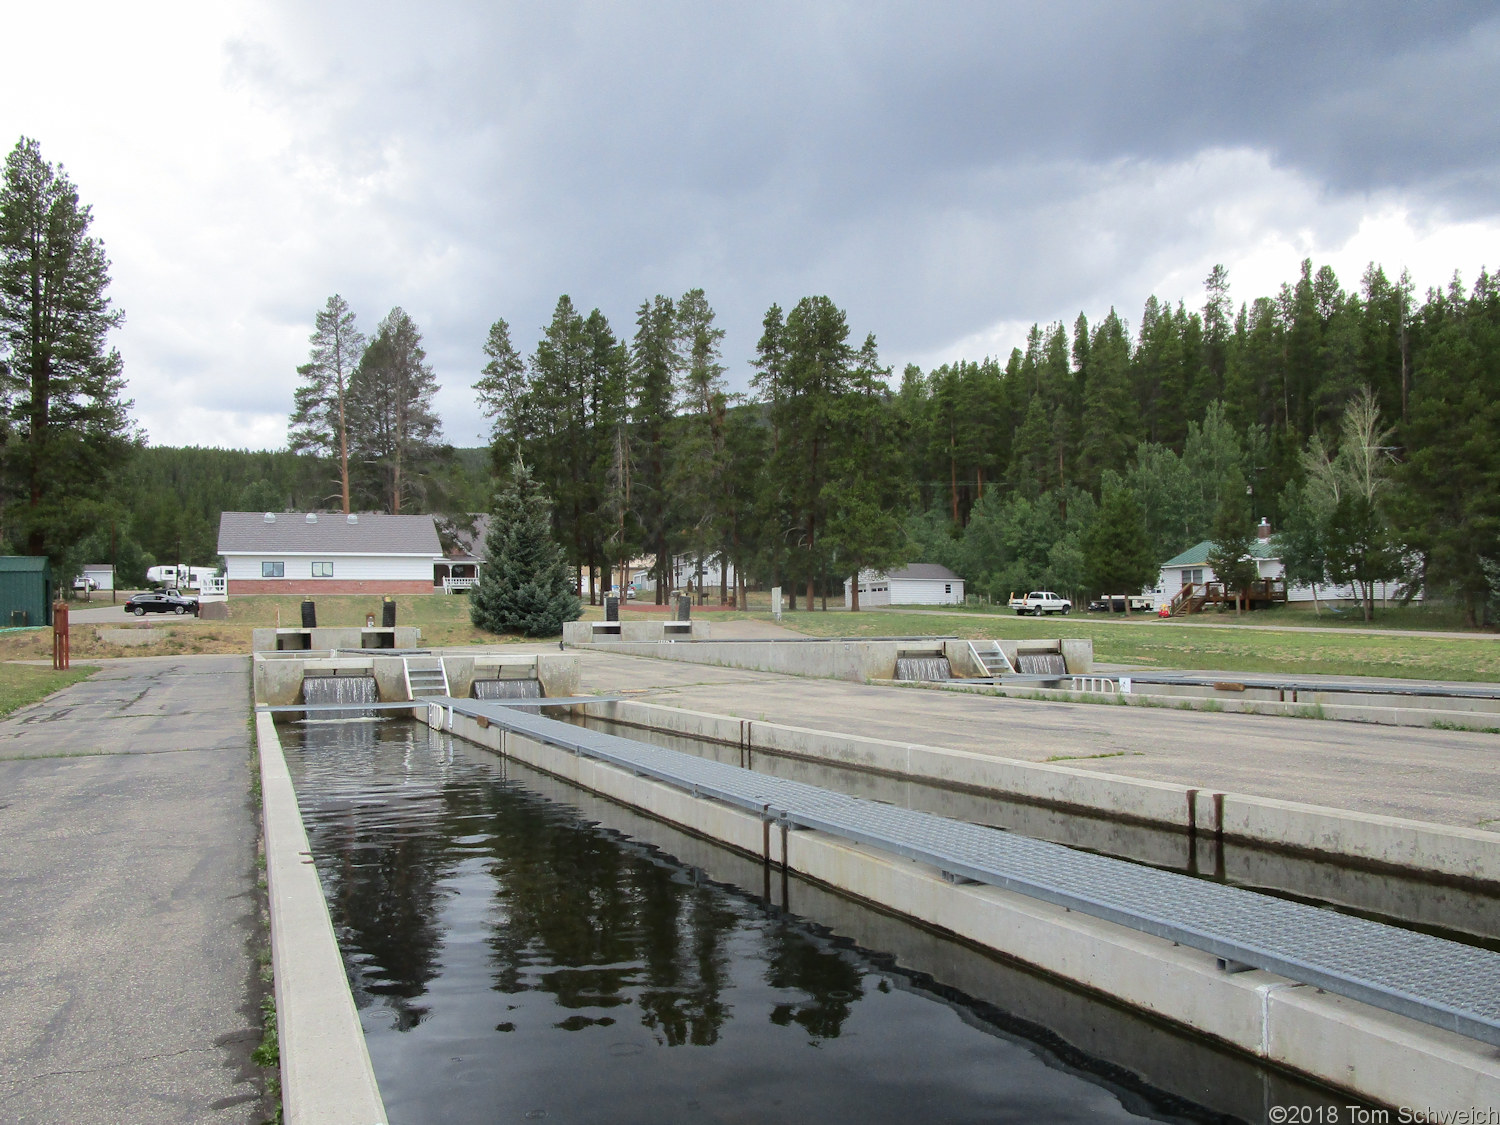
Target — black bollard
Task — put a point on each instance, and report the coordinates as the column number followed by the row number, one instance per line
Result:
column 388, row 613
column 309, row 615
column 611, row 608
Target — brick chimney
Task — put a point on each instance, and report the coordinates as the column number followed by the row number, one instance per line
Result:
column 1263, row 532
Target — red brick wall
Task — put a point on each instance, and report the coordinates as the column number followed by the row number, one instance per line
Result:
column 244, row 586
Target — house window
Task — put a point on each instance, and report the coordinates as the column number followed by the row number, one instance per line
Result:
column 273, row 570
column 322, row 570
column 1193, row 574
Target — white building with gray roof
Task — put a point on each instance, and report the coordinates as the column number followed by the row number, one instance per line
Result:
column 329, row 553
column 915, row 584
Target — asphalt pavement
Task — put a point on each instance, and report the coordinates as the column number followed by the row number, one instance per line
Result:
column 128, row 982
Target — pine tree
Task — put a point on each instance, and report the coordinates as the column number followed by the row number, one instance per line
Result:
column 1229, row 554
column 1117, row 553
column 699, row 458
column 656, row 357
column 320, row 417
column 66, row 429
column 524, row 583
column 818, row 369
column 393, row 431
column 501, row 392
column 867, row 490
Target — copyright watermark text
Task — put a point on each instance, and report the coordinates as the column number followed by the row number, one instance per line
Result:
column 1363, row 1115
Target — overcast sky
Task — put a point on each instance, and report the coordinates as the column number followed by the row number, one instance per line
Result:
column 947, row 173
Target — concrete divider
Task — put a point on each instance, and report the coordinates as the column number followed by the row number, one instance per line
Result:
column 1361, row 839
column 588, row 632
column 837, row 660
column 1386, row 710
column 855, row 660
column 1381, row 1056
column 326, row 1075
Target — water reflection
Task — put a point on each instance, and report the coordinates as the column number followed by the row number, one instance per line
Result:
column 510, row 958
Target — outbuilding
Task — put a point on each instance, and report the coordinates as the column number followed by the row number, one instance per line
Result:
column 915, row 584
column 329, row 553
column 25, row 590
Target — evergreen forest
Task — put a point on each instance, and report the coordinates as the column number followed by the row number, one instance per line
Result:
column 1360, row 424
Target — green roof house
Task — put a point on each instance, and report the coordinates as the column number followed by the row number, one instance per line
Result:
column 1192, row 567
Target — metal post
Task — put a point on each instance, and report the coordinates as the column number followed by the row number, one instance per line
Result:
column 61, row 658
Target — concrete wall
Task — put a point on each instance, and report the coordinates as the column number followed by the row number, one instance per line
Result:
column 583, row 632
column 278, row 679
column 326, row 1076
column 327, row 637
column 559, row 674
column 839, row 660
column 1385, row 1057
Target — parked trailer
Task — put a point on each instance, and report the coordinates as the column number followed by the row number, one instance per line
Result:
column 181, row 577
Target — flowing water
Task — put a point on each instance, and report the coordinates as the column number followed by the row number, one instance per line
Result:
column 923, row 668
column 1041, row 664
column 356, row 691
column 508, row 689
column 520, row 950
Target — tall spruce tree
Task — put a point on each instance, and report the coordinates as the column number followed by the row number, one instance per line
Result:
column 66, row 429
column 524, row 582
column 320, row 414
column 501, row 392
column 1117, row 551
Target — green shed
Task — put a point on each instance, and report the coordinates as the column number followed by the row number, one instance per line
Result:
column 25, row 590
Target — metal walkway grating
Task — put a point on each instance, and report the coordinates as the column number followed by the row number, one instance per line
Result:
column 1439, row 982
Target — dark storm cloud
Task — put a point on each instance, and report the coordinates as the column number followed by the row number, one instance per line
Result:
column 934, row 168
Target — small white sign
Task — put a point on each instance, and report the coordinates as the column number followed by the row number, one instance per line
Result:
column 1124, row 685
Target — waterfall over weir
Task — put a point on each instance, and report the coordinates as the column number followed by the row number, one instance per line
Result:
column 507, row 689
column 923, row 668
column 356, row 691
column 1041, row 664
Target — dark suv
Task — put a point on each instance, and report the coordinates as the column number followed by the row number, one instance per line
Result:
column 161, row 601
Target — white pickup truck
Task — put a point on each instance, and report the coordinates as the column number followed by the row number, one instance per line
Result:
column 1039, row 602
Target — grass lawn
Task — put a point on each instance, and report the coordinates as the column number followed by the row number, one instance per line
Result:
column 21, row 684
column 1436, row 617
column 443, row 619
column 1189, row 645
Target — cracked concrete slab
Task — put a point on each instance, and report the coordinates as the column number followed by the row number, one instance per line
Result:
column 127, row 899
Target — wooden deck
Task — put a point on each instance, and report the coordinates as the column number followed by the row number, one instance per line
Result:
column 1195, row 596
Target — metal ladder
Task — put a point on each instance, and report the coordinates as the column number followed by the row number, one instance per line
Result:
column 426, row 677
column 991, row 657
